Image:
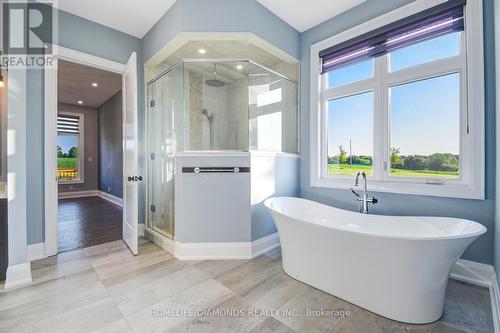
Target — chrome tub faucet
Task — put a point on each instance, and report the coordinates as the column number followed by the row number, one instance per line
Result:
column 362, row 199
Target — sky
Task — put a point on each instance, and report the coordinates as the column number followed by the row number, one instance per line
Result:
column 424, row 114
column 66, row 142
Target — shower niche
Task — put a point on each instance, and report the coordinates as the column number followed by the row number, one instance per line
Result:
column 215, row 116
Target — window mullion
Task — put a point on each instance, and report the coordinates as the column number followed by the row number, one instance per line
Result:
column 380, row 118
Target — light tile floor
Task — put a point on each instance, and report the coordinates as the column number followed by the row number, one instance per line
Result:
column 106, row 289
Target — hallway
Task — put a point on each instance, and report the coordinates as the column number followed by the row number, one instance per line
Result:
column 87, row 221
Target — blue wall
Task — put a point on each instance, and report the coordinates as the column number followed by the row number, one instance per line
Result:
column 497, row 86
column 89, row 37
column 395, row 204
column 111, row 146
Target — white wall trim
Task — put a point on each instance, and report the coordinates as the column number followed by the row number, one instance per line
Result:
column 495, row 303
column 473, row 272
column 213, row 251
column 111, row 198
column 160, row 240
column 36, row 251
column 18, row 275
column 77, row 194
column 482, row 275
column 50, row 133
column 265, row 244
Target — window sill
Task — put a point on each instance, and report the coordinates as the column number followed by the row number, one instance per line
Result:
column 69, row 182
column 433, row 190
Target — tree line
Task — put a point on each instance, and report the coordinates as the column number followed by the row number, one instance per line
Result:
column 72, row 153
column 446, row 162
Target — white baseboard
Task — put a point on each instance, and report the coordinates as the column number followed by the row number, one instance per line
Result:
column 481, row 275
column 160, row 240
column 213, row 251
column 265, row 244
column 473, row 272
column 18, row 275
column 495, row 303
column 111, row 198
column 36, row 251
column 77, row 194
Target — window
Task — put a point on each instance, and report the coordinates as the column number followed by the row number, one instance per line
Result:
column 402, row 104
column 70, row 147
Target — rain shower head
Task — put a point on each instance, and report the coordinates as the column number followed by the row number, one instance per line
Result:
column 214, row 82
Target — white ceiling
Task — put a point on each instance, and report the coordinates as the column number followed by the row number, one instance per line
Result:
column 305, row 14
column 133, row 17
column 75, row 84
column 136, row 17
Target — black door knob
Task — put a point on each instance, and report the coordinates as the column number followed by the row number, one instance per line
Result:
column 140, row 178
column 130, row 179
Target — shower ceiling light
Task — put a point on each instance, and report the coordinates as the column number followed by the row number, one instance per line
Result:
column 80, row 102
column 94, row 84
column 202, row 51
column 239, row 67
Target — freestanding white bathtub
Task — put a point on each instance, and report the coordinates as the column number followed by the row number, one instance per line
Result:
column 394, row 266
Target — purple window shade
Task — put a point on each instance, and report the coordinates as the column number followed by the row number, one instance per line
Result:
column 434, row 22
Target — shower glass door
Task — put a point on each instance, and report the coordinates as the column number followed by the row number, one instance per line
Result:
column 165, row 113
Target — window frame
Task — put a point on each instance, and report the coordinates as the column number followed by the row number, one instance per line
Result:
column 469, row 64
column 80, row 148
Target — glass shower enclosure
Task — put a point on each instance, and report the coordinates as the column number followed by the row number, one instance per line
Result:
column 216, row 105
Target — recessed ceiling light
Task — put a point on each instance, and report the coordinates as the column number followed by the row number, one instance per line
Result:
column 202, row 51
column 80, row 102
column 94, row 84
column 239, row 67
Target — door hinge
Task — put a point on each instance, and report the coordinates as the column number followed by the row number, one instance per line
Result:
column 152, row 103
column 153, row 208
column 152, row 156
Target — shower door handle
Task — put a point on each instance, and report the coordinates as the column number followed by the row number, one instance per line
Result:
column 135, row 178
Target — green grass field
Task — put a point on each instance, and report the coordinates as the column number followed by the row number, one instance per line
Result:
column 66, row 163
column 346, row 170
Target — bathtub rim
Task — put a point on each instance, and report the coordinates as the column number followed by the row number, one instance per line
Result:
column 483, row 230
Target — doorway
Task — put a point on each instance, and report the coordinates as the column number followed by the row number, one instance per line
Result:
column 91, row 157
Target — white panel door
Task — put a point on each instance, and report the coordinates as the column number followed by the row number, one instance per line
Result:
column 130, row 157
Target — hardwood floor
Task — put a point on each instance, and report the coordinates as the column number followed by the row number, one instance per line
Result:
column 107, row 289
column 88, row 221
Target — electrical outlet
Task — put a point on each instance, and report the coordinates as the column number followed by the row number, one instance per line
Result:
column 109, row 189
column 109, row 166
column 90, row 158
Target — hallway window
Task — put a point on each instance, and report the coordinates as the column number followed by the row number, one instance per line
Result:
column 70, row 147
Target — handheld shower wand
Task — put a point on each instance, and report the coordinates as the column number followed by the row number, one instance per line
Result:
column 211, row 124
